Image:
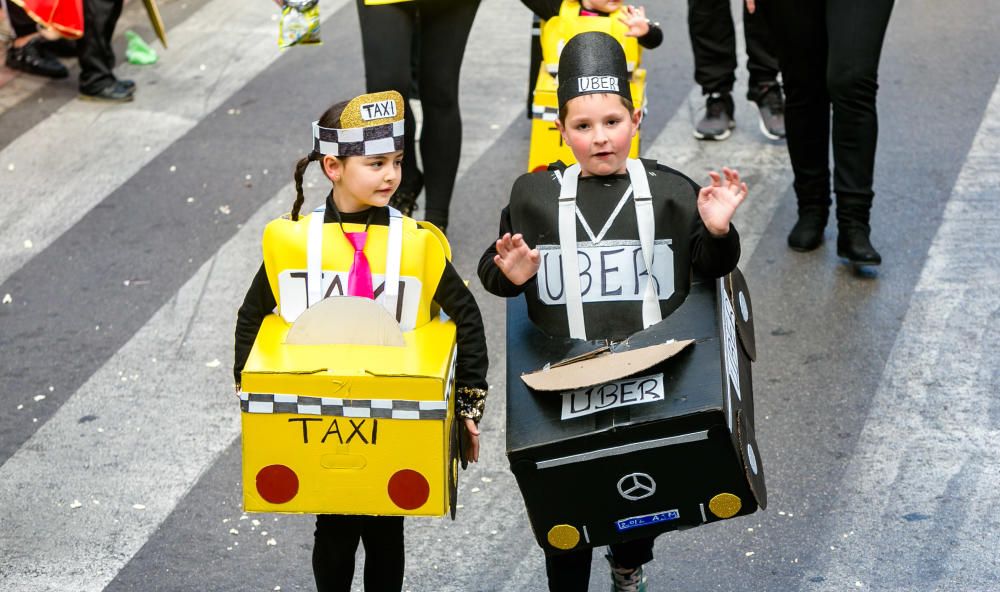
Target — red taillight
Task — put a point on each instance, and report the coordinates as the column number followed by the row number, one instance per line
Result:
column 408, row 489
column 541, row 167
column 277, row 484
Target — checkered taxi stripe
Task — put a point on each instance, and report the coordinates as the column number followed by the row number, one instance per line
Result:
column 376, row 408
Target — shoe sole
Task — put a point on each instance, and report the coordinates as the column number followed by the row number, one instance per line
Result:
column 768, row 134
column 94, row 99
column 714, row 138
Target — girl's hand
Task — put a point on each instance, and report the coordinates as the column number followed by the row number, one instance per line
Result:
column 471, row 444
column 635, row 19
column 515, row 259
column 718, row 202
column 751, row 6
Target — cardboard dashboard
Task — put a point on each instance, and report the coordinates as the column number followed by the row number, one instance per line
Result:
column 350, row 417
column 613, row 442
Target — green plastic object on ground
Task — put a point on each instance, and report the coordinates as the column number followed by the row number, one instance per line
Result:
column 138, row 51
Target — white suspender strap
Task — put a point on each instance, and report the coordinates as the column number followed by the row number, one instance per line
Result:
column 643, row 199
column 393, row 256
column 314, row 258
column 567, row 246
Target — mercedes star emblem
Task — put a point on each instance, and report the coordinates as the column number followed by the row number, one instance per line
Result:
column 636, row 486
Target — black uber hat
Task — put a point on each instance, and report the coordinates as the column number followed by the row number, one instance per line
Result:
column 592, row 62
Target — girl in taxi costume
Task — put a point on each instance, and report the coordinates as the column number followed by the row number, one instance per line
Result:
column 671, row 227
column 360, row 145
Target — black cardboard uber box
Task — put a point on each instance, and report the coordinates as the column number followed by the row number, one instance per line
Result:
column 613, row 442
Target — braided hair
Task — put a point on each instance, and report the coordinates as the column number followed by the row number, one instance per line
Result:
column 331, row 118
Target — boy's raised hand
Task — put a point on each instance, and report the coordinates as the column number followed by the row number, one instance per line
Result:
column 518, row 262
column 718, row 202
column 635, row 19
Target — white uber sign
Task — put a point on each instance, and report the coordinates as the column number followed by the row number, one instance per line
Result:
column 619, row 393
column 295, row 299
column 611, row 271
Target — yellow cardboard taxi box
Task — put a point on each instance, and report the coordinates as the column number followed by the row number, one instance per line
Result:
column 345, row 413
column 546, row 143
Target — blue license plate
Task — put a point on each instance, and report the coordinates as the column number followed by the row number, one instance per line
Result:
column 647, row 520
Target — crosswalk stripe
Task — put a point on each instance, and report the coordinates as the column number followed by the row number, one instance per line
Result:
column 924, row 468
column 64, row 166
column 147, row 430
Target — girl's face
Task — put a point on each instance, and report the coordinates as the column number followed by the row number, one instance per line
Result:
column 361, row 182
column 599, row 131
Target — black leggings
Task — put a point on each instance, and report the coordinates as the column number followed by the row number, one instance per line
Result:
column 442, row 29
column 713, row 42
column 829, row 53
column 337, row 542
column 570, row 572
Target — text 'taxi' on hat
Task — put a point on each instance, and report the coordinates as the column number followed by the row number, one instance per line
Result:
column 370, row 124
column 592, row 62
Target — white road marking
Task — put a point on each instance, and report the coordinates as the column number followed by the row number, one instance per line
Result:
column 918, row 508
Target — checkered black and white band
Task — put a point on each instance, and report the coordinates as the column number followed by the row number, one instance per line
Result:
column 358, row 141
column 544, row 113
column 376, row 408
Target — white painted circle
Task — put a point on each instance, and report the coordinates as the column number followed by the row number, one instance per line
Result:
column 752, row 459
column 744, row 311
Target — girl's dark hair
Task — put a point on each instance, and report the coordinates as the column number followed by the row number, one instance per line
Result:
column 331, row 118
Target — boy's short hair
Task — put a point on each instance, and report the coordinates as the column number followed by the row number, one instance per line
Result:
column 625, row 103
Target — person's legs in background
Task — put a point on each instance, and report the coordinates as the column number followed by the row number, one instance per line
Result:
column 856, row 33
column 444, row 31
column 799, row 30
column 762, row 64
column 28, row 52
column 713, row 42
column 97, row 58
column 387, row 38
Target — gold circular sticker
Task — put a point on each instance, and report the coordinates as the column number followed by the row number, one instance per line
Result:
column 564, row 536
column 725, row 505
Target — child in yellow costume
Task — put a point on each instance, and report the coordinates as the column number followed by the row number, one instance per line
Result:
column 359, row 146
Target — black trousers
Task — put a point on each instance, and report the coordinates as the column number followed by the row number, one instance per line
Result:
column 713, row 41
column 95, row 53
column 570, row 572
column 22, row 24
column 337, row 540
column 387, row 35
column 829, row 52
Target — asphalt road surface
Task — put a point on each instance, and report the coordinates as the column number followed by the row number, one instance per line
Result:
column 131, row 232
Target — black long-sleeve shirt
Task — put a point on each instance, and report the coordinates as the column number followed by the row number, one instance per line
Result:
column 452, row 295
column 546, row 9
column 695, row 249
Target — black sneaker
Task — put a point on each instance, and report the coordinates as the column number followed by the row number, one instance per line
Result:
column 62, row 47
column 33, row 59
column 116, row 92
column 771, row 103
column 718, row 122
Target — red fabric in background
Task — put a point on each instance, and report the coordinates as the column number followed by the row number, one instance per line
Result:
column 63, row 16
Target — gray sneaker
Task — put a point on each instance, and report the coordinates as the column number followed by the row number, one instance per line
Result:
column 717, row 124
column 771, row 103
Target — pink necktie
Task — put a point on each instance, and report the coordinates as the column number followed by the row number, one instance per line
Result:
column 359, row 279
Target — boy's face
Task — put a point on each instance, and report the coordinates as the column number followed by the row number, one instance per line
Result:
column 599, row 130
column 602, row 5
